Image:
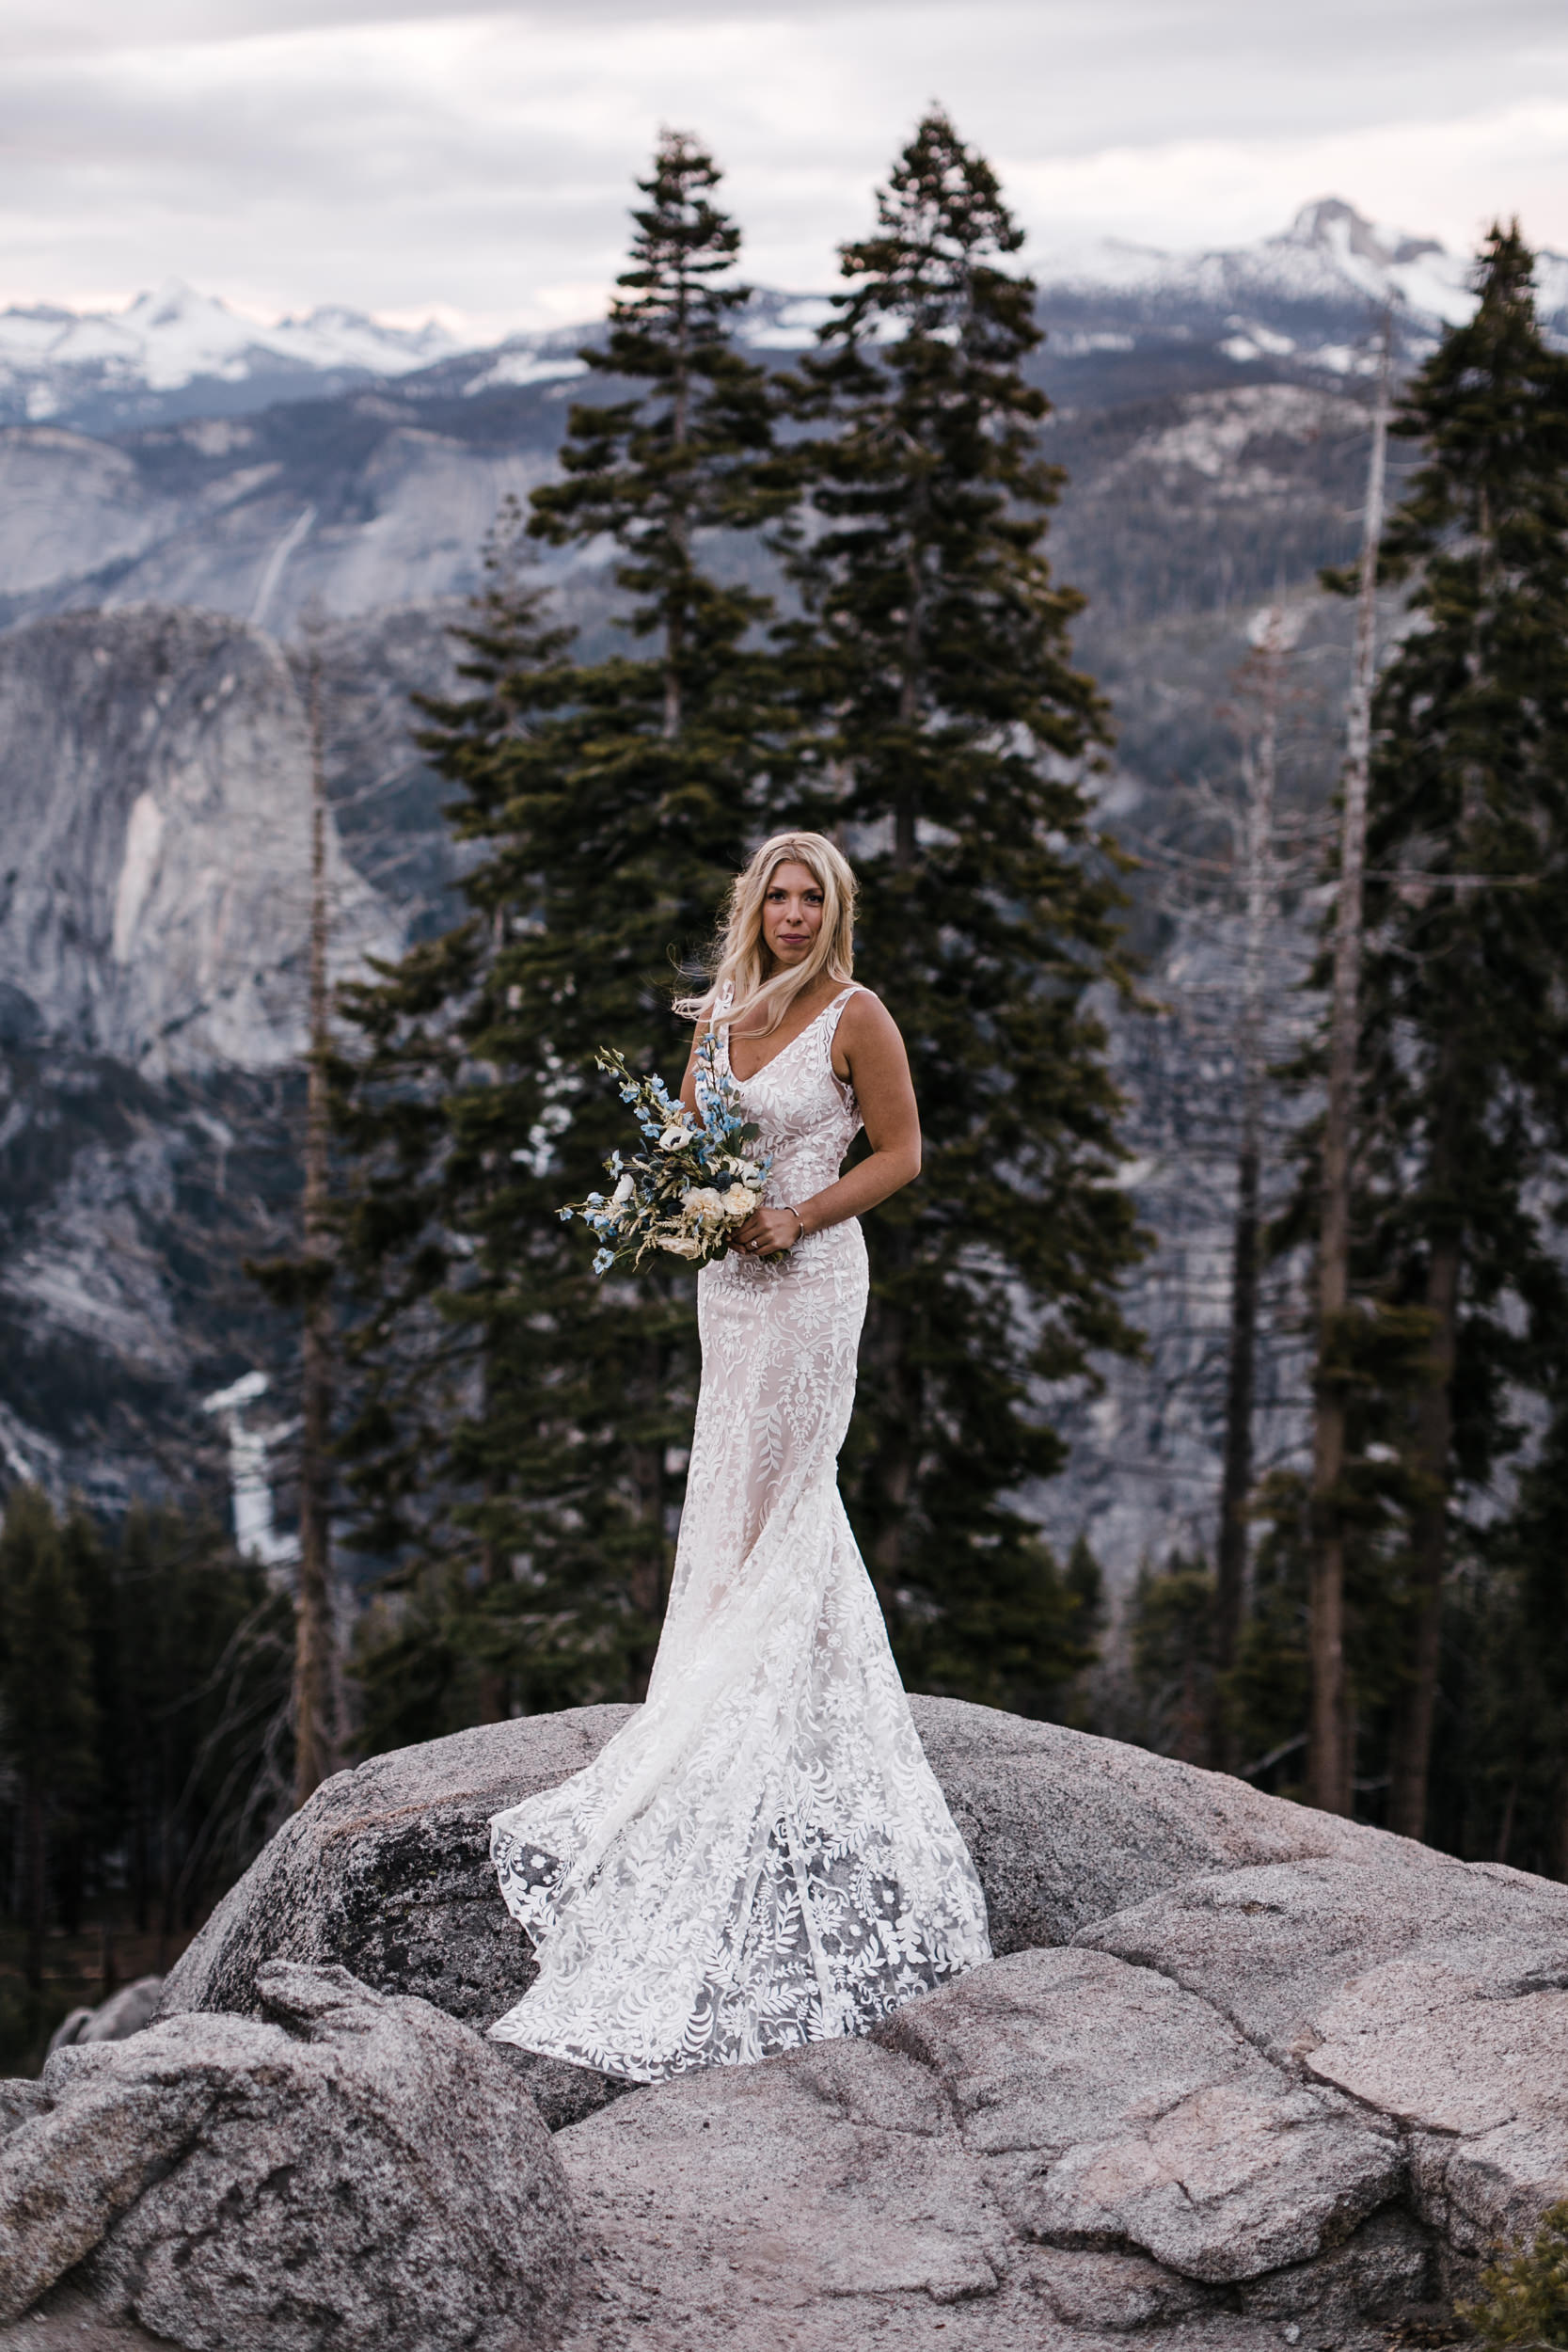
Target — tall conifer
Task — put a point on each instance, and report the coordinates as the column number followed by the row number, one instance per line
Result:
column 611, row 803
column 953, row 744
column 46, row 1699
column 1463, row 1044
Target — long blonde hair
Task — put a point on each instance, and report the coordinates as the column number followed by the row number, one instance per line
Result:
column 741, row 961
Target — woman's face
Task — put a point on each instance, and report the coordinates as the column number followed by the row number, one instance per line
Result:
column 791, row 914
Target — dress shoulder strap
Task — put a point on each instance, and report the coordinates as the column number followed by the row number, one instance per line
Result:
column 834, row 1013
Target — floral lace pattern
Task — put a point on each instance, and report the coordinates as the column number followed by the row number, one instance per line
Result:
column 761, row 1857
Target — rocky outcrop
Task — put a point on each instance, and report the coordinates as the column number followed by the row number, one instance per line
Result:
column 1435, row 1995
column 1062, row 2142
column 346, row 2169
column 1241, row 2073
column 116, row 2019
column 386, row 1870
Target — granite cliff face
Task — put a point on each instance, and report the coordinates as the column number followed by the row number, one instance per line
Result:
column 156, row 906
column 1241, row 2073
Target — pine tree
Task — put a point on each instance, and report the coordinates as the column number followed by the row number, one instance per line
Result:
column 195, row 1715
column 46, row 1710
column 611, row 803
column 949, row 741
column 1330, row 1762
column 1523, row 2300
column 1501, row 1772
column 1464, row 995
column 689, row 454
column 1173, row 1655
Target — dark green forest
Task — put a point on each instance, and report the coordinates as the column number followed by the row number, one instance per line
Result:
column 508, row 1434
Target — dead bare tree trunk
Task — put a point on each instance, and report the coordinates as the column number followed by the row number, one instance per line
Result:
column 1328, row 1766
column 675, row 623
column 316, row 1709
column 1261, row 882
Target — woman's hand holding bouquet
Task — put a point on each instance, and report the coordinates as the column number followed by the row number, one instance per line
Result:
column 694, row 1183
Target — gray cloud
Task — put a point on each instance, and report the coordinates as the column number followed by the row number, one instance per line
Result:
column 399, row 154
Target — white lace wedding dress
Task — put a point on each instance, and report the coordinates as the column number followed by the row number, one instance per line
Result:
column 761, row 1857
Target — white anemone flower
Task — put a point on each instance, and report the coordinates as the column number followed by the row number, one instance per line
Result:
column 675, row 1138
column 623, row 1192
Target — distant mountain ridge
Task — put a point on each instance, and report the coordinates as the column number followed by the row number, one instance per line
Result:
column 58, row 364
column 1313, row 291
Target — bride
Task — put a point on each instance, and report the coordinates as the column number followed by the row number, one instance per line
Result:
column 761, row 1857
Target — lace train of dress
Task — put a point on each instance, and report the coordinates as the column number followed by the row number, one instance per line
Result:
column 761, row 1857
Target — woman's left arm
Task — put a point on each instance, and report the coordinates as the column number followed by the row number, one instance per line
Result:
column 878, row 1069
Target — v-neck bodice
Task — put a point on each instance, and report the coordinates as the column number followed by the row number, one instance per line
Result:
column 807, row 1114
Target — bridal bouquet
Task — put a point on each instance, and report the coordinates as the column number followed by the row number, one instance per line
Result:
column 693, row 1183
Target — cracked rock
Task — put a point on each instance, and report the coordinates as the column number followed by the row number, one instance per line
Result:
column 1058, row 2139
column 1432, row 1991
column 350, row 2170
column 1466, row 2045
column 1267, row 1946
column 751, row 2198
column 1109, row 2109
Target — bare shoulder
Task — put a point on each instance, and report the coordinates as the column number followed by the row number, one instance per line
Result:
column 865, row 1017
column 867, row 1032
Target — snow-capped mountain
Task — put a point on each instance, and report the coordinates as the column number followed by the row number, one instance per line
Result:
column 1311, row 295
column 1328, row 253
column 123, row 365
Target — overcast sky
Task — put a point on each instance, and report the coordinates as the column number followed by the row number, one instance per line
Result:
column 407, row 157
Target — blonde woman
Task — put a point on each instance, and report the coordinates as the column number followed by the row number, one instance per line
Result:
column 761, row 1857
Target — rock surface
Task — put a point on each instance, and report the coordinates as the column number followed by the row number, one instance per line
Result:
column 386, row 1870
column 347, row 2169
column 1242, row 2074
column 1433, row 1992
column 387, row 1873
column 1059, row 2142
column 123, row 2013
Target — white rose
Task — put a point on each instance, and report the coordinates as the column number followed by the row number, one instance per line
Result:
column 681, row 1245
column 739, row 1201
column 702, row 1201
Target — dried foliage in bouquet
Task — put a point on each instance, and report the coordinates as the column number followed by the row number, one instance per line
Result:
column 694, row 1183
